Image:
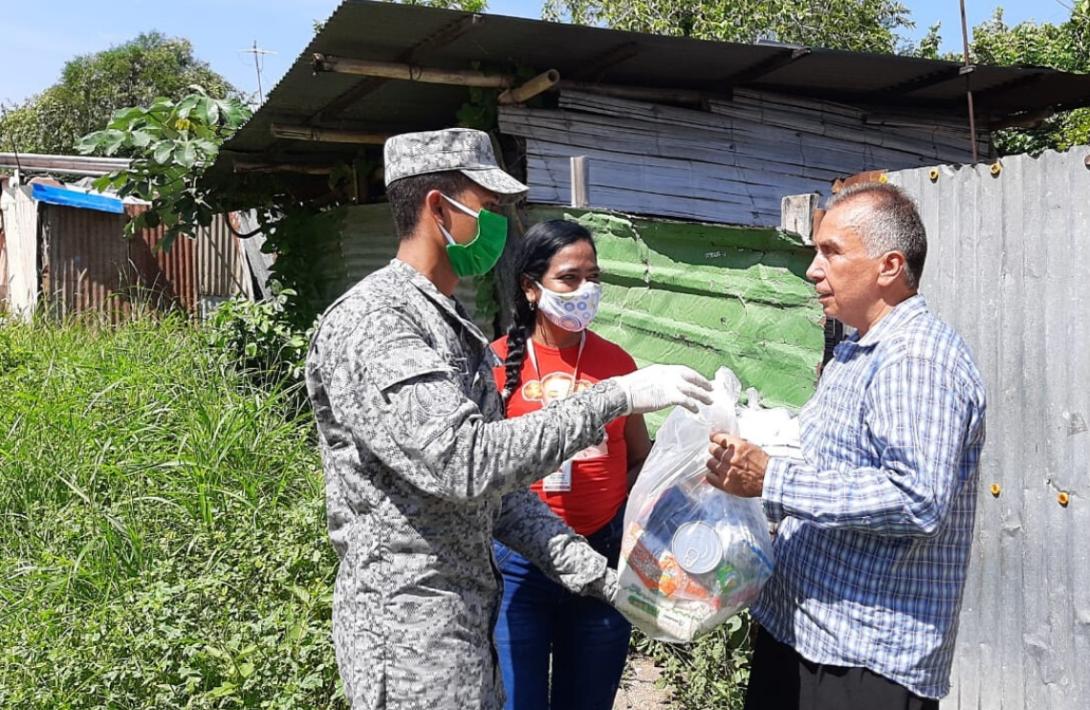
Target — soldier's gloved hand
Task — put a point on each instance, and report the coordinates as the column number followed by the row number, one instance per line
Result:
column 608, row 586
column 660, row 386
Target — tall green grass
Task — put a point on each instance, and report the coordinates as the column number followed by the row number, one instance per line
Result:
column 162, row 537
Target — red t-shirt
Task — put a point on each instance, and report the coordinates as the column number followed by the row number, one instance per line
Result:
column 599, row 480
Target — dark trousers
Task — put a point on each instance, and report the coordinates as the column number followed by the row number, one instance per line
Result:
column 586, row 639
column 781, row 679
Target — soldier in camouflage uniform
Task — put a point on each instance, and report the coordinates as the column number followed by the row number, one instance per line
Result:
column 422, row 469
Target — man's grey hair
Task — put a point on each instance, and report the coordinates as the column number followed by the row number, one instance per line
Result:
column 886, row 220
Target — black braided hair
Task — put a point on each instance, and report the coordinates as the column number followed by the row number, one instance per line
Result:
column 535, row 252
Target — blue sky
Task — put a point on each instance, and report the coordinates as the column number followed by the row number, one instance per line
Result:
column 38, row 37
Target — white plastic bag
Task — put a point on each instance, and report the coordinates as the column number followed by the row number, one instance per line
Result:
column 774, row 430
column 692, row 556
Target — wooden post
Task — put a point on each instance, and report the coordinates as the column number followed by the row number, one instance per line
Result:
column 797, row 215
column 538, row 85
column 505, row 280
column 409, row 72
column 580, row 182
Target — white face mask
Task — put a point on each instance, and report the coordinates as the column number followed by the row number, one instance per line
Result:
column 571, row 311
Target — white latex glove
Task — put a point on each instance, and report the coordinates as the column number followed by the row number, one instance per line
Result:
column 607, row 588
column 659, row 386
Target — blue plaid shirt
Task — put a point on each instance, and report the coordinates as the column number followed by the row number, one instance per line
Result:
column 876, row 521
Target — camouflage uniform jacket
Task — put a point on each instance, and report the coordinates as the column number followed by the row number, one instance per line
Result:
column 421, row 470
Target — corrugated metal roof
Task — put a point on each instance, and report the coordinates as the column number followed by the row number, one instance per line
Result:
column 62, row 164
column 458, row 40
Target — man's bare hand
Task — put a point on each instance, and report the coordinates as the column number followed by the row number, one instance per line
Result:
column 736, row 466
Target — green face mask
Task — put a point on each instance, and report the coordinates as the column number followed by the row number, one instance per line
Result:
column 481, row 254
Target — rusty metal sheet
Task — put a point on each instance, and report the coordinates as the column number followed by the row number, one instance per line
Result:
column 221, row 271
column 167, row 278
column 85, row 265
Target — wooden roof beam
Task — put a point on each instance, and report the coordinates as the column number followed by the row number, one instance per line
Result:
column 265, row 166
column 513, row 94
column 765, row 66
column 595, row 67
column 440, row 38
column 325, row 135
column 924, row 81
column 639, row 93
column 546, row 81
column 409, row 72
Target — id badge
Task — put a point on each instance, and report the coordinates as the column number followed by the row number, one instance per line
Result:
column 558, row 481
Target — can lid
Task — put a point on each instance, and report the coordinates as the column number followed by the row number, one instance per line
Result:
column 697, row 548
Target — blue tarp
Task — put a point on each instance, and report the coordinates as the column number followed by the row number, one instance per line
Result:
column 74, row 198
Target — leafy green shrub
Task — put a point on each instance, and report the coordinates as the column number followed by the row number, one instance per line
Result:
column 11, row 355
column 711, row 673
column 162, row 537
column 261, row 338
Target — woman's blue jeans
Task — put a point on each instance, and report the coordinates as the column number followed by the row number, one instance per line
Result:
column 587, row 638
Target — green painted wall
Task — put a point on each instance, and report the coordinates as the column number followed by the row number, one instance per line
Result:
column 702, row 295
column 708, row 295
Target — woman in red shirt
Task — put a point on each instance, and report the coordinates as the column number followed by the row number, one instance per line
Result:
column 549, row 354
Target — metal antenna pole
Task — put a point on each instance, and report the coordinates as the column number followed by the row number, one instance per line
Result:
column 967, row 70
column 258, row 53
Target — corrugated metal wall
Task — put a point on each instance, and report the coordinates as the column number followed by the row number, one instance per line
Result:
column 708, row 295
column 730, row 164
column 93, row 267
column 368, row 242
column 222, row 271
column 86, row 264
column 168, row 279
column 1009, row 267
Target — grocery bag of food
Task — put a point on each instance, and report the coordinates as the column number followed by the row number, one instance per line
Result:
column 692, row 556
column 774, row 430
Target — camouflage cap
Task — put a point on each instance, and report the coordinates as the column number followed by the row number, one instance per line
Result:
column 463, row 149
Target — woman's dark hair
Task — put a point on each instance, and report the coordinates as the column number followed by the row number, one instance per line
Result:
column 536, row 250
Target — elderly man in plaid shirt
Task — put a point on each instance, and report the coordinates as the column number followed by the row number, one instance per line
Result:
column 876, row 520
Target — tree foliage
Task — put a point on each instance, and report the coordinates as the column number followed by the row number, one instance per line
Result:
column 467, row 5
column 92, row 87
column 857, row 25
column 1064, row 46
column 171, row 144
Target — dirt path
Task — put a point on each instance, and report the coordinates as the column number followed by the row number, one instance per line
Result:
column 638, row 690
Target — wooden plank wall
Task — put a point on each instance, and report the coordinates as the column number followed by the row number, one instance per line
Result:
column 731, row 163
